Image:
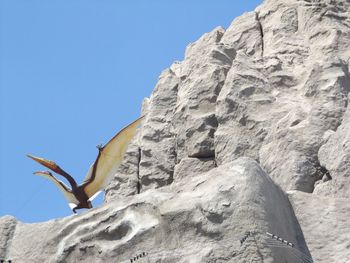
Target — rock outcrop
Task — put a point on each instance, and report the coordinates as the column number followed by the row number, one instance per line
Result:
column 254, row 116
column 197, row 219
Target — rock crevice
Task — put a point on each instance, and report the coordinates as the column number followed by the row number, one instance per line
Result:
column 261, row 35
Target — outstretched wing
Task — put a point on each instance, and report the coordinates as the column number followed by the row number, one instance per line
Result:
column 72, row 200
column 109, row 158
column 54, row 167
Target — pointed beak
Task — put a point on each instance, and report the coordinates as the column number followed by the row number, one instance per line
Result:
column 41, row 173
column 49, row 164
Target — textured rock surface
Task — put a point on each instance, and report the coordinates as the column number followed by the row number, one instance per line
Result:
column 335, row 156
column 157, row 138
column 7, row 230
column 273, row 87
column 325, row 224
column 206, row 217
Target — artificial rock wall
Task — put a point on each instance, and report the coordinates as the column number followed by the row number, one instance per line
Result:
column 248, row 134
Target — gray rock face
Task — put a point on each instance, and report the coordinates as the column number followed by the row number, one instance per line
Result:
column 269, row 87
column 206, row 217
column 202, row 75
column 192, row 166
column 335, row 156
column 280, row 101
column 7, row 230
column 252, row 111
column 158, row 155
column 325, row 223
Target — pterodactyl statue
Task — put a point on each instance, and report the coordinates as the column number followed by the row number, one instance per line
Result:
column 108, row 160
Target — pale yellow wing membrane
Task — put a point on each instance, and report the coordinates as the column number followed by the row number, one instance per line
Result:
column 64, row 189
column 109, row 159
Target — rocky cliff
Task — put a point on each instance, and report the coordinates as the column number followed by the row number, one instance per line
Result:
column 243, row 155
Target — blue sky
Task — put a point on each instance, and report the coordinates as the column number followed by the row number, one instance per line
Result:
column 73, row 72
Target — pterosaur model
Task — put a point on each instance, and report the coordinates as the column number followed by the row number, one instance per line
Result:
column 108, row 159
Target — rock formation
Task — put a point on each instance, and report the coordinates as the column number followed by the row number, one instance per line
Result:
column 248, row 134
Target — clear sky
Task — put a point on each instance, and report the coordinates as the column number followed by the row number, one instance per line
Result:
column 73, row 72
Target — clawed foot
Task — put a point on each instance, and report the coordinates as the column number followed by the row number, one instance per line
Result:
column 99, row 147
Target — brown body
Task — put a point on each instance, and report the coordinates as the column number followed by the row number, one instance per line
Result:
column 83, row 199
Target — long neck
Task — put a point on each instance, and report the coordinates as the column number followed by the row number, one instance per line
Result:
column 69, row 178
